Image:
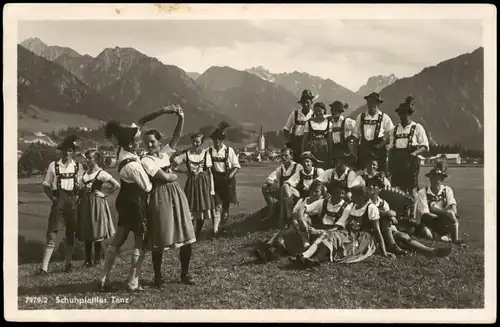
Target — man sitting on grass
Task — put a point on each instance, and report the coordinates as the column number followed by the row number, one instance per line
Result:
column 273, row 186
column 437, row 209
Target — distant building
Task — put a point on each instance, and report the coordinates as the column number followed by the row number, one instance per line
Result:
column 261, row 141
column 449, row 158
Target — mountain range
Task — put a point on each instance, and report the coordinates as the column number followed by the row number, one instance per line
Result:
column 448, row 99
column 124, row 84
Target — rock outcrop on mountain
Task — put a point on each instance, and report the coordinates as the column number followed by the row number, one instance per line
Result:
column 376, row 84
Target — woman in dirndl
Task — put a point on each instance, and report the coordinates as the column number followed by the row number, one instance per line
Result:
column 199, row 187
column 169, row 218
column 95, row 223
column 317, row 136
column 352, row 240
column 290, row 240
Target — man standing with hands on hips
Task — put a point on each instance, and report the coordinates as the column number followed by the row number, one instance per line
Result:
column 373, row 129
column 294, row 127
column 61, row 186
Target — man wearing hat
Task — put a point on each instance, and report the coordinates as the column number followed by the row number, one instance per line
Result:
column 224, row 169
column 372, row 131
column 342, row 129
column 294, row 127
column 437, row 208
column 61, row 185
column 407, row 141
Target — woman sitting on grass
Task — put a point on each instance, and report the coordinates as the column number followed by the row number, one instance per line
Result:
column 351, row 240
column 291, row 239
column 388, row 221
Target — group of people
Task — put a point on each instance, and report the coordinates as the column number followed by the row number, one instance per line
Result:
column 344, row 189
column 345, row 186
column 151, row 204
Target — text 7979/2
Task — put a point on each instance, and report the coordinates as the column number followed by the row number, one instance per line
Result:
column 36, row 299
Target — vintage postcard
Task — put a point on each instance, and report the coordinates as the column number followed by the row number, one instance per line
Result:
column 253, row 163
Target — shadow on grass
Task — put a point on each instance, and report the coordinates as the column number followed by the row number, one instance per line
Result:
column 249, row 224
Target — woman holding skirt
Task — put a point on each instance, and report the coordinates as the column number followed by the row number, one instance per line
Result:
column 169, row 218
column 95, row 223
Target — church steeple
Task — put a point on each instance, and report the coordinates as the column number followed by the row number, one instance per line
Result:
column 261, row 142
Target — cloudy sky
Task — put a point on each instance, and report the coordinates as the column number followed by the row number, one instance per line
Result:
column 347, row 51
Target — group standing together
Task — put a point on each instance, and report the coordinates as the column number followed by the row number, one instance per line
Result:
column 345, row 188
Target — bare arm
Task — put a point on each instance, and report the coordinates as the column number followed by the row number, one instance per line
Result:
column 114, row 186
column 166, row 177
column 378, row 236
column 153, row 115
column 287, row 134
column 233, row 172
column 50, row 194
column 421, row 149
column 178, row 128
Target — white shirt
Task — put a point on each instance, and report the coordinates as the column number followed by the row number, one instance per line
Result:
column 275, row 176
column 316, row 126
column 196, row 160
column 232, row 160
column 349, row 128
column 423, row 205
column 383, row 203
column 316, row 208
column 68, row 168
column 133, row 172
column 297, row 130
column 295, row 179
column 373, row 212
column 99, row 175
column 419, row 137
column 152, row 164
column 330, row 174
column 386, row 126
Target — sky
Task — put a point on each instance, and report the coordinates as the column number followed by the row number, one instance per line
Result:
column 346, row 51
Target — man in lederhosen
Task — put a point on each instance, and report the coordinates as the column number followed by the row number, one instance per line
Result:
column 61, row 186
column 407, row 141
column 373, row 130
column 294, row 127
column 225, row 165
column 342, row 129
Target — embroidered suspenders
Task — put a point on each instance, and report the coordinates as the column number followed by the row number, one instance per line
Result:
column 434, row 198
column 341, row 130
column 225, row 160
column 408, row 136
column 378, row 124
column 204, row 160
column 336, row 215
column 60, row 176
column 318, row 134
column 125, row 162
column 303, row 176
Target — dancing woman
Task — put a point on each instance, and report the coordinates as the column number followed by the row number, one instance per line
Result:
column 169, row 218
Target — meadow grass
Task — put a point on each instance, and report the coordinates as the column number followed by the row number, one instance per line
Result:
column 229, row 278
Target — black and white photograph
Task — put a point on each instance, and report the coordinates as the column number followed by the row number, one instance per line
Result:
column 224, row 163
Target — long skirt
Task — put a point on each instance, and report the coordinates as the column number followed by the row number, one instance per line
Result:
column 95, row 222
column 321, row 150
column 169, row 218
column 197, row 190
column 132, row 206
column 348, row 246
column 225, row 189
column 404, row 169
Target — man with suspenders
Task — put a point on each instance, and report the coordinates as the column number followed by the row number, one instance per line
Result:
column 373, row 130
column 408, row 140
column 272, row 189
column 61, row 185
column 342, row 129
column 294, row 127
column 225, row 165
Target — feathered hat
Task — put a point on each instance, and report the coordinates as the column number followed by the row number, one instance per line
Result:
column 220, row 131
column 69, row 143
column 123, row 134
column 407, row 105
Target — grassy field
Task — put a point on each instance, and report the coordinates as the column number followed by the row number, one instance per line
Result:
column 228, row 278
